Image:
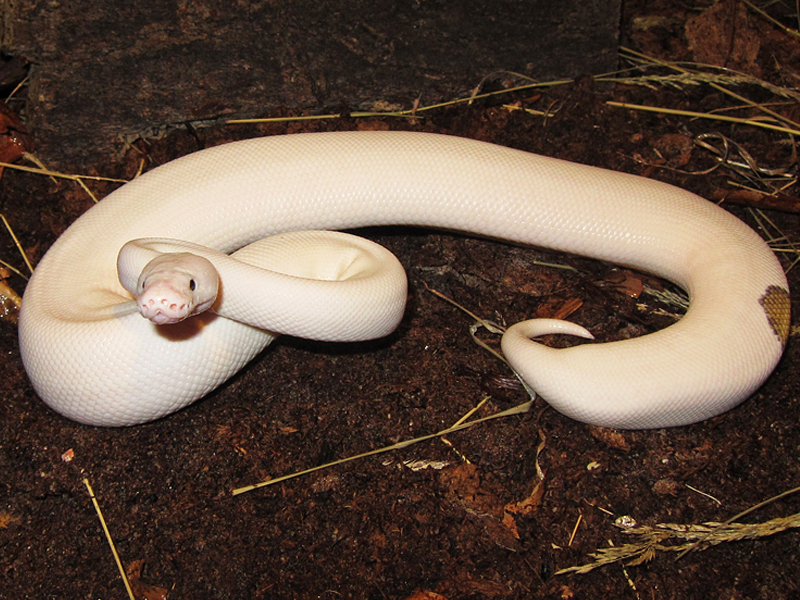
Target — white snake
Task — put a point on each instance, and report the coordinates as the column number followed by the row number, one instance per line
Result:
column 93, row 359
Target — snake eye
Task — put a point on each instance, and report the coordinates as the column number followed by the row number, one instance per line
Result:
column 192, row 284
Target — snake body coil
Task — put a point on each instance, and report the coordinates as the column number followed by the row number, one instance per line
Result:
column 93, row 360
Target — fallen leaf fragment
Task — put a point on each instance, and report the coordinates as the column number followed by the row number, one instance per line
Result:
column 14, row 138
column 143, row 590
column 529, row 505
column 610, row 437
column 9, row 304
column 426, row 595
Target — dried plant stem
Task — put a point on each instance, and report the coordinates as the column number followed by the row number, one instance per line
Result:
column 79, row 179
column 19, row 247
column 717, row 86
column 775, row 22
column 110, row 540
column 652, row 540
column 462, row 423
column 698, row 115
column 519, row 409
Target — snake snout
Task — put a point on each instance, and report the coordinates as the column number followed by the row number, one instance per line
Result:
column 164, row 311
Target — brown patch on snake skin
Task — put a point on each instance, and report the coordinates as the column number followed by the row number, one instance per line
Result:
column 777, row 306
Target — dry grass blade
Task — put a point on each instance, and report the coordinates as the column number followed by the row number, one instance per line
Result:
column 712, row 116
column 110, row 540
column 460, row 425
column 42, row 170
column 775, row 22
column 777, row 240
column 682, row 75
column 793, row 519
column 49, row 173
column 715, row 77
column 490, row 326
column 734, row 156
column 19, row 247
column 653, row 540
column 673, row 537
column 79, row 179
column 413, row 113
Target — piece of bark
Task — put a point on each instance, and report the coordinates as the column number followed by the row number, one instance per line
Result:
column 110, row 69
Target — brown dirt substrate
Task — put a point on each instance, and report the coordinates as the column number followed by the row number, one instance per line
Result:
column 377, row 528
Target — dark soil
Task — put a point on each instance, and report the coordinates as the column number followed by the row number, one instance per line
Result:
column 477, row 522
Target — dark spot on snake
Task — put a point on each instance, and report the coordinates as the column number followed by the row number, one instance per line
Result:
column 192, row 284
column 777, row 306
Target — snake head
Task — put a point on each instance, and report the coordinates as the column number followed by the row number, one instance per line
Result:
column 174, row 287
